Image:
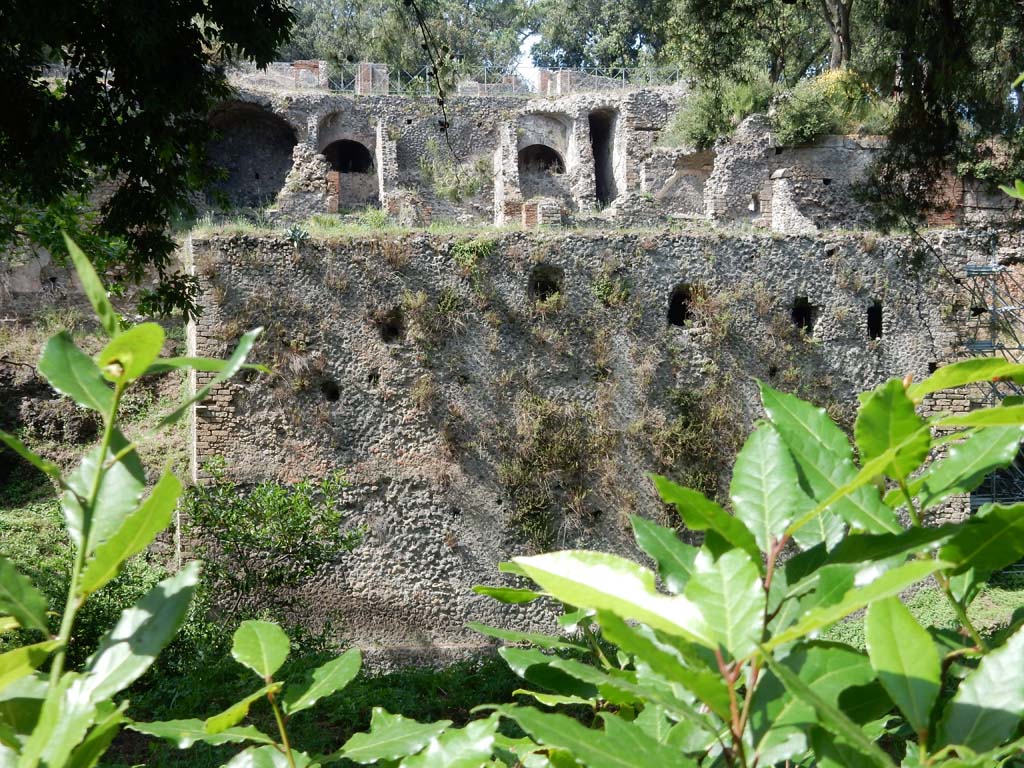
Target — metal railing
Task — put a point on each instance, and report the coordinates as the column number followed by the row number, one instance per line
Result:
column 523, row 80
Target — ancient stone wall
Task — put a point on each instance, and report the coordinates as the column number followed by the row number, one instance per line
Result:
column 447, row 383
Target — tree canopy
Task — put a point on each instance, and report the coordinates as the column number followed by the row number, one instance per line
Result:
column 115, row 95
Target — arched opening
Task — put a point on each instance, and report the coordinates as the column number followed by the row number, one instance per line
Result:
column 679, row 312
column 804, row 314
column 602, row 142
column 875, row 320
column 347, row 156
column 253, row 147
column 538, row 158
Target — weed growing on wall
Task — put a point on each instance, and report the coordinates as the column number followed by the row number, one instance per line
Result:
column 261, row 542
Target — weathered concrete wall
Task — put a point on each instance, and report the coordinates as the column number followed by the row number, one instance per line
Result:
column 425, row 376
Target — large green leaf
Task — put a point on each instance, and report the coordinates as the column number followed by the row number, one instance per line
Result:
column 323, row 681
column 262, row 646
column 37, row 461
column 702, row 514
column 828, row 714
column 731, row 601
column 73, row 373
column 94, row 289
column 904, row 656
column 610, row 583
column 129, row 354
column 765, row 489
column 136, row 533
column 674, row 558
column 109, row 718
column 391, row 737
column 536, row 668
column 666, row 661
column 20, row 599
column 992, row 539
column 143, row 630
column 206, row 364
column 64, row 719
column 184, row 733
column 780, row 720
column 888, row 584
column 468, row 747
column 824, row 460
column 1002, row 416
column 238, row 711
column 832, row 753
column 967, row 464
column 234, row 364
column 508, row 595
column 119, row 492
column 512, row 636
column 860, row 548
column 966, row 372
column 988, row 705
column 887, row 420
column 23, row 660
column 619, row 745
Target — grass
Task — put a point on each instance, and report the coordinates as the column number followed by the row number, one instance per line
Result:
column 990, row 611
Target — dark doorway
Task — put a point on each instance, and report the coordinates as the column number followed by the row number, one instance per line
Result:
column 545, row 282
column 602, row 141
column 875, row 320
column 679, row 306
column 347, row 156
column 538, row 158
column 804, row 314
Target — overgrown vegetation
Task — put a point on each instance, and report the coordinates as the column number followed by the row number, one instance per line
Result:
column 260, row 543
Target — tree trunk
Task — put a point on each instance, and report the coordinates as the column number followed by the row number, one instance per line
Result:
column 837, row 19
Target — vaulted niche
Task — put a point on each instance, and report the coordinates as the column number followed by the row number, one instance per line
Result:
column 602, row 141
column 346, row 156
column 539, row 158
column 679, row 305
column 253, row 147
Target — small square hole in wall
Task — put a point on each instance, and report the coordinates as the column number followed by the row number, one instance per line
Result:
column 779, row 150
column 826, row 182
column 804, row 314
column 408, row 121
column 330, row 390
column 933, row 367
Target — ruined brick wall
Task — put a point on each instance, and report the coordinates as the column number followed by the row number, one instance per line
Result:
column 414, row 372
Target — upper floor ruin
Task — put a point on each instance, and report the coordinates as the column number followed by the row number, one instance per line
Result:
column 583, row 153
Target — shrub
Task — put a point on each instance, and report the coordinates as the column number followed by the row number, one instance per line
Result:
column 374, row 218
column 837, row 101
column 259, row 543
column 714, row 109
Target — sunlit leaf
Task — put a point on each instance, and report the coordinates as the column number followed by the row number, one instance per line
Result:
column 73, row 373
column 323, row 681
column 262, row 646
column 730, row 599
column 184, row 733
column 904, row 656
column 674, row 558
column 94, row 289
column 136, row 533
column 824, row 460
column 129, row 354
column 701, row 514
column 390, row 737
column 765, row 490
column 887, row 420
column 143, row 630
column 987, row 707
column 20, row 599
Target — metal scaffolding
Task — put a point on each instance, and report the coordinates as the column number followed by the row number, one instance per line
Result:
column 996, row 329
